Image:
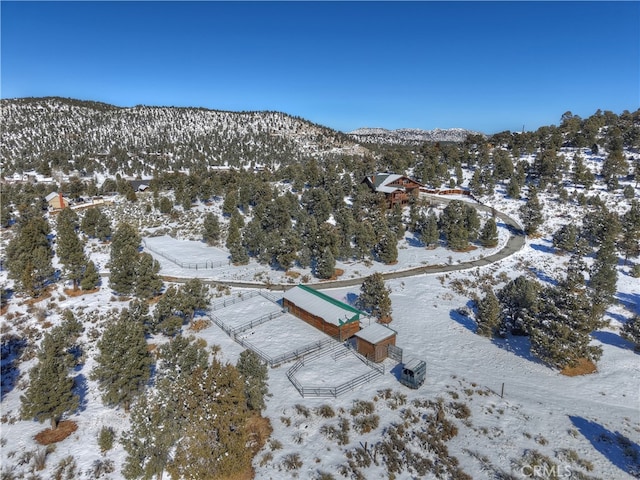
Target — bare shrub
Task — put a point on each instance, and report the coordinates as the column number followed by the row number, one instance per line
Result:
column 460, row 410
column 67, row 469
column 266, row 458
column 325, row 411
column 366, row 423
column 362, row 407
column 102, row 467
column 302, row 410
column 292, row 461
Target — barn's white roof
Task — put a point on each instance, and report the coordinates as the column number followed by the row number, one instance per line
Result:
column 321, row 305
column 51, row 196
column 375, row 333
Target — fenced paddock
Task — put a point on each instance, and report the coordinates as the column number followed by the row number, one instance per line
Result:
column 332, row 371
column 325, row 367
column 257, row 321
column 283, row 339
column 239, row 311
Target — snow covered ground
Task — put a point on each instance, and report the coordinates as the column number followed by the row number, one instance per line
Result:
column 588, row 424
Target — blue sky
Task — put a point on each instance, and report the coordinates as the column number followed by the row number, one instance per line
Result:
column 486, row 66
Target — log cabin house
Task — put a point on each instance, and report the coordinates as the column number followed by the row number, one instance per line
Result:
column 397, row 189
column 327, row 314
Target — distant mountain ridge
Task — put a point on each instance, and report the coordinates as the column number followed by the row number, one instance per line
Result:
column 411, row 135
column 71, row 134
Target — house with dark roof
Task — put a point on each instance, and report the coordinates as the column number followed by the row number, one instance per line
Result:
column 398, row 189
column 327, row 314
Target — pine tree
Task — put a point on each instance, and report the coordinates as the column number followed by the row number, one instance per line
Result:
column 519, row 303
column 374, row 297
column 214, row 440
column 489, row 234
column 472, row 222
column 364, row 239
column 29, row 256
column 429, row 232
column 123, row 366
column 631, row 332
column 195, row 296
column 531, row 213
column 124, row 259
column 50, row 393
column 565, row 238
column 387, row 248
column 453, row 223
column 91, row 277
column 488, row 314
column 96, row 224
column 560, row 335
column 70, row 249
column 630, row 242
column 148, row 283
column 325, row 264
column 153, row 433
column 180, row 357
column 513, row 188
column 603, row 278
column 211, row 229
column 254, row 373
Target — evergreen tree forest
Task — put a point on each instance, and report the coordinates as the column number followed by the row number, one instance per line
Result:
column 301, row 212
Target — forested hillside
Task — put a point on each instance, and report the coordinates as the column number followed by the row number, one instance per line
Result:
column 93, row 309
column 42, row 133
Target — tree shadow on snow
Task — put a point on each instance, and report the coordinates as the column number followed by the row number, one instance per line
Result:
column 630, row 301
column 543, row 248
column 81, row 389
column 612, row 339
column 351, row 299
column 542, row 276
column 463, row 320
column 519, row 345
column 618, row 449
column 11, row 349
column 414, row 241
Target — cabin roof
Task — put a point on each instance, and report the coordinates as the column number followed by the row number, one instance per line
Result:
column 51, row 196
column 375, row 333
column 317, row 303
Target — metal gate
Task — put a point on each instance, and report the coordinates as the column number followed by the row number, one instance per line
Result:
column 394, row 353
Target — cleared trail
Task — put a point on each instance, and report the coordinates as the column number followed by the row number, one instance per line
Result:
column 515, row 242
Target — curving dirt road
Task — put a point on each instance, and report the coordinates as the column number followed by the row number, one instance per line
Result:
column 515, row 242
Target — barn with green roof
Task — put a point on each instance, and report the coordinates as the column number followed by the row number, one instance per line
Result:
column 327, row 314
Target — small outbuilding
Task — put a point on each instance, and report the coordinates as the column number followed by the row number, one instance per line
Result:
column 327, row 314
column 373, row 341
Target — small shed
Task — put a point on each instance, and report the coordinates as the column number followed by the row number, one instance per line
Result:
column 413, row 373
column 373, row 341
column 56, row 201
column 327, row 314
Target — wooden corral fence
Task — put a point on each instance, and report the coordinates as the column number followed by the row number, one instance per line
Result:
column 207, row 265
column 226, row 302
column 336, row 352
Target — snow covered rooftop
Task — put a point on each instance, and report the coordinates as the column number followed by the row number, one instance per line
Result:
column 51, row 196
column 317, row 303
column 375, row 333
